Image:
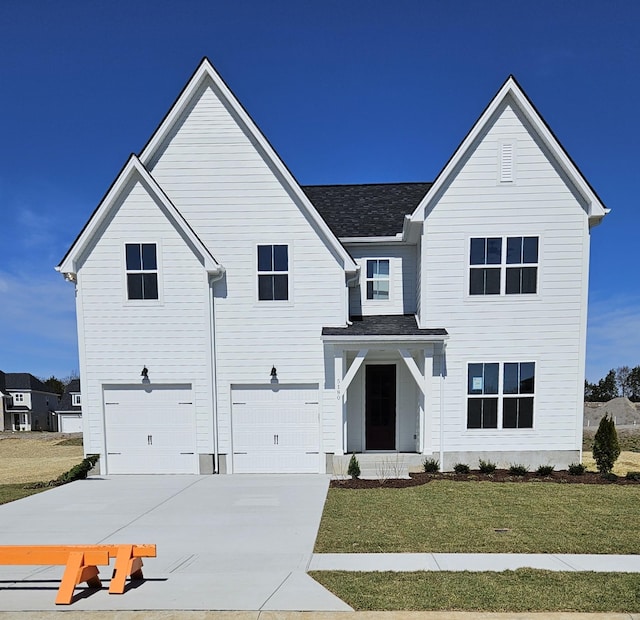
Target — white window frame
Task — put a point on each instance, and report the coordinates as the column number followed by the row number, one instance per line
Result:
column 288, row 272
column 502, row 267
column 76, row 400
column 377, row 278
column 157, row 271
column 501, row 396
column 18, row 398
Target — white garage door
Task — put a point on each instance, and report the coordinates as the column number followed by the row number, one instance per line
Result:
column 150, row 430
column 70, row 422
column 276, row 429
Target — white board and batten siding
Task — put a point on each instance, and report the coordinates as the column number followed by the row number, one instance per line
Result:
column 150, row 429
column 548, row 327
column 234, row 200
column 276, row 429
column 170, row 336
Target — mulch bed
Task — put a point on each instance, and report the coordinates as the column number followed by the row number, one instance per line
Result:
column 500, row 475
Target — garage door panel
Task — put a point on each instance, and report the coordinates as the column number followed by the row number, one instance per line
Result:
column 150, row 430
column 275, row 429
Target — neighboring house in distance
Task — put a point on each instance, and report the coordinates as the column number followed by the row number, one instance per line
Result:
column 69, row 410
column 233, row 321
column 29, row 406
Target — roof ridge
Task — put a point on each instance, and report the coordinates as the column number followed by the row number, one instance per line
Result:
column 367, row 184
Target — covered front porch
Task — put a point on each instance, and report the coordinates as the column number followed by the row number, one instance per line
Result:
column 386, row 373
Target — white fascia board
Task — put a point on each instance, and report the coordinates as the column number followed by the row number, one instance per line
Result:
column 133, row 167
column 369, row 240
column 206, row 71
column 511, row 88
column 363, row 341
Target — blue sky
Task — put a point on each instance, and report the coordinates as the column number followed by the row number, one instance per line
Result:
column 346, row 91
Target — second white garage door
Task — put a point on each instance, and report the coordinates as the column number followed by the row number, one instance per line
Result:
column 276, row 429
column 150, row 429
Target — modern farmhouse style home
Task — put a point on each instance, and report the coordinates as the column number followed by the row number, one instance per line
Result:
column 232, row 321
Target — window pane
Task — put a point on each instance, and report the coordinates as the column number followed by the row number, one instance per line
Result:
column 475, row 380
column 489, row 413
column 527, row 377
column 134, row 286
column 150, row 285
column 530, row 250
column 491, row 378
column 371, row 268
column 380, row 289
column 474, row 413
column 265, row 258
column 149, row 256
column 510, row 413
column 134, row 261
column 281, row 287
column 280, row 258
column 478, row 247
column 492, row 282
column 383, row 268
column 476, row 282
column 513, row 286
column 514, row 250
column 525, row 413
column 265, row 287
column 370, row 289
column 529, row 278
column 494, row 251
column 511, row 382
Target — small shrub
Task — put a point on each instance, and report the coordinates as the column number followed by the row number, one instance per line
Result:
column 545, row 470
column 633, row 475
column 461, row 468
column 577, row 469
column 606, row 448
column 487, row 467
column 431, row 466
column 518, row 470
column 354, row 467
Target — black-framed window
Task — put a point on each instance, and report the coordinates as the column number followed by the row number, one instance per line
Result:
column 378, row 279
column 273, row 272
column 142, row 270
column 500, row 394
column 512, row 260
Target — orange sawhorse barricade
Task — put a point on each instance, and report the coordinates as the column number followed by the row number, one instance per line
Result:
column 82, row 563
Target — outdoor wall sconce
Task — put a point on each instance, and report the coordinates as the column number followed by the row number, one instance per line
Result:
column 274, row 372
column 145, row 372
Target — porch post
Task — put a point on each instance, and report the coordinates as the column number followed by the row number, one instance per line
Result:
column 427, row 426
column 341, row 407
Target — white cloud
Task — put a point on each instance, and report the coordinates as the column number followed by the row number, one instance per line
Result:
column 613, row 335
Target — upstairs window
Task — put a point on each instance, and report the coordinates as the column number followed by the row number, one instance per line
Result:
column 18, row 398
column 503, row 266
column 378, row 279
column 273, row 272
column 142, row 271
column 75, row 400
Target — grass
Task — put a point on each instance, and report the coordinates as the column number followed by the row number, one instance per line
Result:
column 12, row 492
column 461, row 517
column 523, row 590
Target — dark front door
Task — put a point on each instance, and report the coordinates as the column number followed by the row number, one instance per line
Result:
column 380, row 407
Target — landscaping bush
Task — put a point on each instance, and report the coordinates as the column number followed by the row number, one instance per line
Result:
column 487, row 467
column 606, row 448
column 545, row 470
column 431, row 466
column 461, row 468
column 518, row 470
column 633, row 475
column 577, row 469
column 354, row 467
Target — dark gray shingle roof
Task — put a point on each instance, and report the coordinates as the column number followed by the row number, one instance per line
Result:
column 383, row 325
column 24, row 381
column 374, row 210
column 66, row 401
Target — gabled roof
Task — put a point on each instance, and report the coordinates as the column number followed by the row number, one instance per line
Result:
column 133, row 169
column 511, row 89
column 66, row 401
column 24, row 381
column 384, row 326
column 206, row 72
column 371, row 210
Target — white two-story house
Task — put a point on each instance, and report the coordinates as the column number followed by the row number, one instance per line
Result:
column 231, row 321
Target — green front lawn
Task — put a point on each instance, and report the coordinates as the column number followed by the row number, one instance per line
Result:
column 462, row 517
column 524, row 590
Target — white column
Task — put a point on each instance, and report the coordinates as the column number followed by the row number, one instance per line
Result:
column 427, row 427
column 340, row 410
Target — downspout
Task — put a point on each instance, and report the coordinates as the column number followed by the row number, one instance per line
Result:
column 349, row 282
column 214, row 370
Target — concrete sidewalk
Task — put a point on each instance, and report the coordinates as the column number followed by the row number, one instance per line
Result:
column 473, row 562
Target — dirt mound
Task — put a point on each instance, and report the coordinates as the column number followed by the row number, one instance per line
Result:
column 622, row 410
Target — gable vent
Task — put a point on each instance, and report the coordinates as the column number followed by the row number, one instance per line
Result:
column 506, row 162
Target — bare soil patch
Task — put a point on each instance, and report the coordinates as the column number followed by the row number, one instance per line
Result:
column 36, row 457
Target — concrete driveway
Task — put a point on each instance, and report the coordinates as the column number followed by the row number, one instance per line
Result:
column 239, row 542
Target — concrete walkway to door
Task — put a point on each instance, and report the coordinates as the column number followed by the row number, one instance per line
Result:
column 239, row 542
